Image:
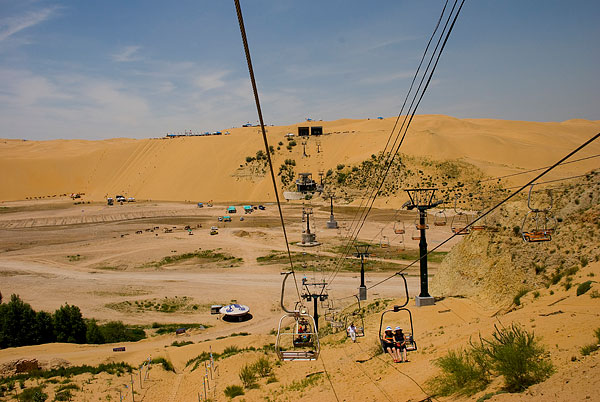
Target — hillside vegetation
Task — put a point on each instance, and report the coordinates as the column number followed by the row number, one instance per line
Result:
column 497, row 265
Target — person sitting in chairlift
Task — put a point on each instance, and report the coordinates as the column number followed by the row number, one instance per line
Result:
column 400, row 345
column 352, row 332
column 389, row 344
column 303, row 337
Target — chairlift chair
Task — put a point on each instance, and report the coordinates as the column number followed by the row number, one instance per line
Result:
column 459, row 224
column 300, row 342
column 399, row 228
column 297, row 338
column 416, row 235
column 536, row 227
column 439, row 218
column 384, row 242
column 460, row 221
column 481, row 224
column 411, row 344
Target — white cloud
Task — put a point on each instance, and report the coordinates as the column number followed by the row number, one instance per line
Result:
column 208, row 81
column 12, row 25
column 127, row 54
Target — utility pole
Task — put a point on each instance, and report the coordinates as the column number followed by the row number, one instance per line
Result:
column 316, row 296
column 422, row 200
column 362, row 251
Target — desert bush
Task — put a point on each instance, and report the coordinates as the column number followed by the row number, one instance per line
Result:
column 584, row 287
column 263, row 367
column 116, row 331
column 166, row 364
column 588, row 349
column 515, row 354
column 309, row 381
column 517, row 298
column 461, row 374
column 35, row 394
column 512, row 353
column 182, row 343
column 592, row 347
column 231, row 391
column 247, row 375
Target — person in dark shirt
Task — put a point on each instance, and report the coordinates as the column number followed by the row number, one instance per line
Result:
column 400, row 343
column 389, row 344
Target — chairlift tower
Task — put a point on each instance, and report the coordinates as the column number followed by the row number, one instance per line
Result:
column 331, row 223
column 362, row 251
column 422, row 199
column 319, row 294
column 304, row 154
column 309, row 239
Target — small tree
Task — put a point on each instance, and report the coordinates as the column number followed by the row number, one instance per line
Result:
column 17, row 323
column 44, row 328
column 69, row 325
column 93, row 334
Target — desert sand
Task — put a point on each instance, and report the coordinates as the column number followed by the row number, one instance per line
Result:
column 104, row 259
column 206, row 168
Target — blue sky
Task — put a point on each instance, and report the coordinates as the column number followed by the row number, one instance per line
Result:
column 103, row 69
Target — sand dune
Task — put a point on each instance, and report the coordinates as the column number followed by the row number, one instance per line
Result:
column 203, row 168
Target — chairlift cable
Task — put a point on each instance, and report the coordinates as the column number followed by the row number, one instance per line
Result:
column 328, row 377
column 420, row 98
column 264, row 136
column 392, row 156
column 401, row 372
column 354, row 219
column 535, row 170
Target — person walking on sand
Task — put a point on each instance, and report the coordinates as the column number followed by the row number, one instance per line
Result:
column 352, row 332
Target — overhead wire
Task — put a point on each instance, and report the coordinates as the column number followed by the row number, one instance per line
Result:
column 401, row 372
column 406, row 127
column 370, row 189
column 392, row 156
column 264, row 136
column 537, row 169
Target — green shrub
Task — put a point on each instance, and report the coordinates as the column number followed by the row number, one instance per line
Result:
column 584, row 287
column 231, row 391
column 462, row 373
column 182, row 343
column 231, row 350
column 263, row 367
column 512, row 353
column 517, row 298
column 63, row 395
column 588, row 349
column 515, row 354
column 166, row 364
column 309, row 381
column 35, row 394
column 247, row 375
